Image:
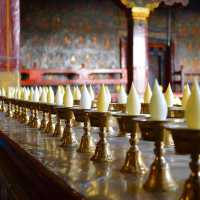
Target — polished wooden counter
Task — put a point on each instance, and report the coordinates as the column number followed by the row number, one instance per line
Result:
column 34, row 166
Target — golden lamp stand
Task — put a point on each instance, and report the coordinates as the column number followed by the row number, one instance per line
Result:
column 43, row 124
column 8, row 113
column 25, row 117
column 2, row 105
column 86, row 144
column 176, row 112
column 57, row 131
column 102, row 151
column 145, row 108
column 68, row 139
column 159, row 178
column 49, row 127
column 134, row 162
column 30, row 120
column 187, row 141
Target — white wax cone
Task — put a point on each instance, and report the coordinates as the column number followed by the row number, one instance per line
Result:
column 36, row 95
column 91, row 91
column 102, row 100
column 3, row 91
column 15, row 93
column 108, row 94
column 61, row 89
column 147, row 94
column 28, row 91
column 76, row 93
column 25, row 94
column 68, row 97
column 50, row 96
column 158, row 105
column 31, row 96
column 19, row 94
column 43, row 96
column 122, row 96
column 169, row 96
column 177, row 101
column 40, row 90
column 59, row 97
column 9, row 92
column 86, row 100
column 133, row 106
column 186, row 95
column 192, row 111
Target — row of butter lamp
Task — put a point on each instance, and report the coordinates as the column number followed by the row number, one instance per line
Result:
column 158, row 105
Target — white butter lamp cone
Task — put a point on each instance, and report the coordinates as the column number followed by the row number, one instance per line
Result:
column 158, row 105
column 186, row 95
column 76, row 93
column 133, row 106
column 59, row 97
column 36, row 95
column 68, row 97
column 86, row 100
column 50, row 96
column 192, row 111
column 169, row 96
column 108, row 94
column 91, row 91
column 122, row 96
column 43, row 96
column 102, row 100
column 147, row 94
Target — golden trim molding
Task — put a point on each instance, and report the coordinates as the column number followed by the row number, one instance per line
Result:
column 140, row 13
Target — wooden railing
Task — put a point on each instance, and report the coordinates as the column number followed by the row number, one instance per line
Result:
column 61, row 76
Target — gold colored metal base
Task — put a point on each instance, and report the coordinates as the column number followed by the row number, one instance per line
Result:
column 2, row 107
column 30, row 121
column 35, row 120
column 49, row 127
column 8, row 113
column 25, row 117
column 191, row 189
column 86, row 144
column 160, row 179
column 102, row 151
column 43, row 122
column 134, row 162
column 57, row 131
column 69, row 138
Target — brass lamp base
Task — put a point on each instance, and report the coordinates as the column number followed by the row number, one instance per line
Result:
column 102, row 151
column 35, row 120
column 134, row 162
column 43, row 122
column 57, row 131
column 49, row 127
column 159, row 179
column 187, row 142
column 30, row 121
column 86, row 144
column 191, row 189
column 69, row 139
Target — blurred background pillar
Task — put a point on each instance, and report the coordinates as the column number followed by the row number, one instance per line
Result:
column 9, row 42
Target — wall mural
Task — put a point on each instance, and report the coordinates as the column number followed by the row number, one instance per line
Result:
column 71, row 33
column 187, row 39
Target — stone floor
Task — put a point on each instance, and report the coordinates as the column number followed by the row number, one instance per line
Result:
column 95, row 180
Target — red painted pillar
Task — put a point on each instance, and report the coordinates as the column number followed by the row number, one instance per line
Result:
column 9, row 35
